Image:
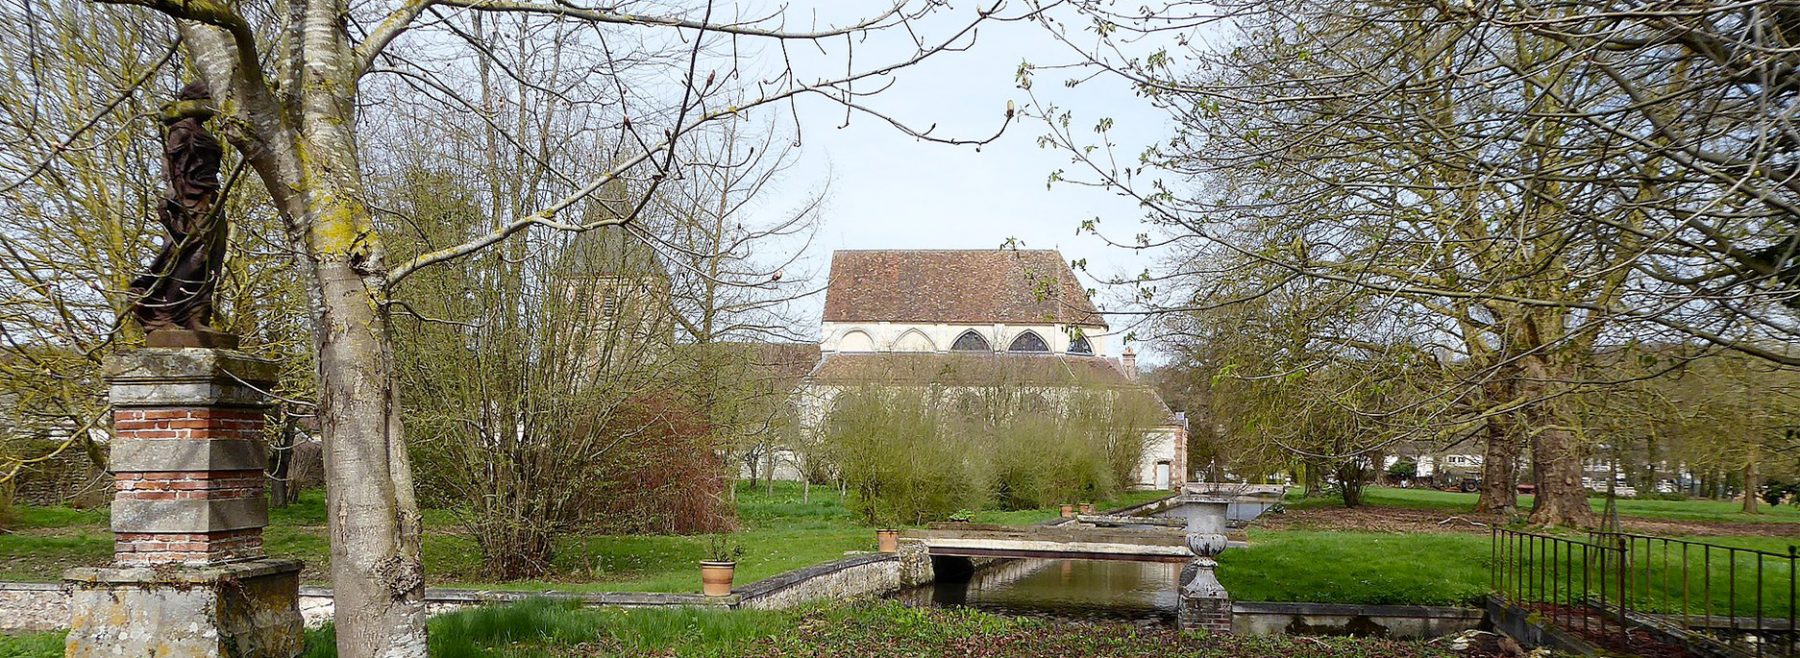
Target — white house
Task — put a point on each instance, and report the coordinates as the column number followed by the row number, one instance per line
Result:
column 965, row 319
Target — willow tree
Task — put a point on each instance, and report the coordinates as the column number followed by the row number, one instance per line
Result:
column 295, row 83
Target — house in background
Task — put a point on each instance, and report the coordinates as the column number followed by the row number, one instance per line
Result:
column 961, row 320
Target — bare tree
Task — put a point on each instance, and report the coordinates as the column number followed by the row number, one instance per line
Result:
column 296, row 84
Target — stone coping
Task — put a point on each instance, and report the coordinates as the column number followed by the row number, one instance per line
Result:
column 180, row 574
column 1355, row 609
column 161, row 365
column 22, row 586
column 778, row 582
column 486, row 596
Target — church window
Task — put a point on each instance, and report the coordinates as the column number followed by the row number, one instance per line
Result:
column 1081, row 346
column 970, row 341
column 856, row 341
column 1028, row 342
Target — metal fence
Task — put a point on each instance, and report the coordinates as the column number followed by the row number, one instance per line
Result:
column 1613, row 588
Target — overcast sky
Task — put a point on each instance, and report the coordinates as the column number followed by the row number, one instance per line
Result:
column 890, row 191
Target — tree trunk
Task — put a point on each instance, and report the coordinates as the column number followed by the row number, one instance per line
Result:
column 373, row 520
column 1499, row 469
column 302, row 145
column 281, row 461
column 1560, row 499
column 1752, row 485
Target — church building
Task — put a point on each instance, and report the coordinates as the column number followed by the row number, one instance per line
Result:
column 994, row 318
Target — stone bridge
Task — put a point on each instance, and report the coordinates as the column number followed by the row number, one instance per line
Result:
column 1192, row 540
column 1152, row 542
column 1233, row 489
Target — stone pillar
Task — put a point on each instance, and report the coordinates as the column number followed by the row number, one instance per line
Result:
column 1205, row 605
column 189, row 577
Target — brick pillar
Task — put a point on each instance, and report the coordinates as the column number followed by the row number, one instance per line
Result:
column 189, row 576
column 1205, row 605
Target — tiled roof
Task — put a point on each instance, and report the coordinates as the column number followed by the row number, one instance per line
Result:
column 973, row 286
column 983, row 369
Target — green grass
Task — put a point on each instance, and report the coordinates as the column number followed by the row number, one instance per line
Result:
column 1664, row 510
column 1454, row 568
column 783, row 529
column 31, row 645
column 1358, row 567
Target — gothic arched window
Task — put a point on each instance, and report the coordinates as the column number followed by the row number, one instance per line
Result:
column 856, row 341
column 1028, row 342
column 970, row 341
column 1080, row 346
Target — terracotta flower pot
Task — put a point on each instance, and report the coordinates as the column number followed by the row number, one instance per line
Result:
column 887, row 541
column 1068, row 511
column 1087, row 508
column 715, row 577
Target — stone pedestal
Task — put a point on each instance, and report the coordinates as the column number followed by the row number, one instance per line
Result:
column 1205, row 605
column 189, row 576
column 247, row 608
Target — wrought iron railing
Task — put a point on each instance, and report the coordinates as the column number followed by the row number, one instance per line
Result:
column 1614, row 588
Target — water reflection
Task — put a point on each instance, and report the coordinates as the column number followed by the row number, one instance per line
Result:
column 1082, row 589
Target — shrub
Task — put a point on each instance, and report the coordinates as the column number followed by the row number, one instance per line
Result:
column 896, row 458
column 911, row 457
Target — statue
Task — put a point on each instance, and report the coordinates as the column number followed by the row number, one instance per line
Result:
column 177, row 293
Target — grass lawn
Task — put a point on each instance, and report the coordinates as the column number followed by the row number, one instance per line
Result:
column 1665, row 510
column 1441, row 568
column 540, row 628
column 781, row 532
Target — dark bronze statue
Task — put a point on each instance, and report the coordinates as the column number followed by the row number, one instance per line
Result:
column 177, row 293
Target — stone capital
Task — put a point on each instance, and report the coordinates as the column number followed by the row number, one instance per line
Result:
column 189, row 377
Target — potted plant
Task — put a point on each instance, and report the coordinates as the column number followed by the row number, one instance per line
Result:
column 887, row 533
column 964, row 515
column 717, row 570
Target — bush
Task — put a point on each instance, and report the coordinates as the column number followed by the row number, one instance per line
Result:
column 910, row 458
column 897, row 460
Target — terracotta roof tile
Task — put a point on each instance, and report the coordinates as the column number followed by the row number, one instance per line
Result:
column 968, row 286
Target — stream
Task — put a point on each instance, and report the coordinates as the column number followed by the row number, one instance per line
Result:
column 1142, row 592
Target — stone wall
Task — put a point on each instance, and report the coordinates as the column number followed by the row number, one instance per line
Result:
column 1395, row 621
column 853, row 577
column 28, row 607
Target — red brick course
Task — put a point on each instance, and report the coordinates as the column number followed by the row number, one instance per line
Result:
column 203, row 547
column 197, row 423
column 188, row 423
column 188, row 485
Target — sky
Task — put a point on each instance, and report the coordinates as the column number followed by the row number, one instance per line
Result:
column 888, row 190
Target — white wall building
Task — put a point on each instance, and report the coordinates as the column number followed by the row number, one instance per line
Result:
column 967, row 319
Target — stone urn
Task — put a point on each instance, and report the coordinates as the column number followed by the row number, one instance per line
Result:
column 1068, row 511
column 1205, row 515
column 1205, row 604
column 715, row 577
column 887, row 541
column 1087, row 508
